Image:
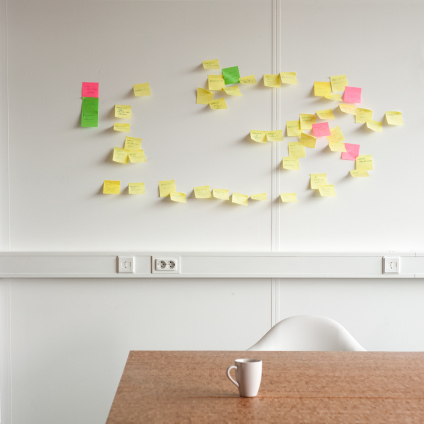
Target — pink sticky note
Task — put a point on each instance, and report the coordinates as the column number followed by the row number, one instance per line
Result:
column 352, row 95
column 90, row 89
column 352, row 151
column 321, row 130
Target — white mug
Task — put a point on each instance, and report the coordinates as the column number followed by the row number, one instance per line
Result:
column 248, row 376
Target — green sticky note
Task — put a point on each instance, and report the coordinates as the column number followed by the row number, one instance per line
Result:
column 90, row 112
column 231, row 75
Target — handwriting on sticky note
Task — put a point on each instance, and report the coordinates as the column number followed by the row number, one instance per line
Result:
column 211, row 64
column 123, row 111
column 204, row 96
column 364, row 163
column 318, row 180
column 288, row 78
column 178, row 197
column 352, row 151
column 327, row 191
column 352, row 94
column 274, row 135
column 336, row 135
column 363, row 115
column 222, row 194
column 233, row 91
column 351, row 109
column 240, row 199
column 394, row 118
column 375, row 125
column 215, row 82
column 111, row 187
column 325, row 114
column 306, row 121
column 218, row 104
column 121, row 127
column 271, row 80
column 90, row 112
column 231, row 75
column 335, row 97
column 90, row 89
column 293, row 129
column 260, row 196
column 166, row 187
column 120, row 155
column 359, row 173
column 132, row 143
column 308, row 140
column 136, row 188
column 137, row 156
column 288, row 197
column 203, row 192
column 321, row 130
column 142, row 89
column 322, row 89
column 258, row 136
column 338, row 82
column 337, row 147
column 251, row 79
column 291, row 164
column 296, row 150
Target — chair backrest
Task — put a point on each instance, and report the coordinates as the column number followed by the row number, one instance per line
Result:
column 307, row 333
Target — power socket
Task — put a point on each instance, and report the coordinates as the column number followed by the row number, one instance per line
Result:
column 165, row 265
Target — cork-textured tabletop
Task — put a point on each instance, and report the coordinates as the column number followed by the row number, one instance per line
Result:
column 297, row 387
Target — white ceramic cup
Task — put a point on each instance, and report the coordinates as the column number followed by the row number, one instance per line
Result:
column 248, row 376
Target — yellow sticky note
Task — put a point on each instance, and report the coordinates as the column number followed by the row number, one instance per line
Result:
column 364, row 162
column 121, row 127
column 261, row 196
column 211, row 64
column 178, row 197
column 293, row 128
column 327, row 191
column 291, row 164
column 394, row 118
column 137, row 156
column 308, row 140
column 274, row 135
column 111, row 187
column 221, row 194
column 336, row 135
column 218, row 104
column 347, row 108
column 166, row 188
column 216, row 82
column 204, row 96
column 363, row 115
column 296, row 150
column 336, row 97
column 142, row 89
column 123, row 111
column 120, row 155
column 306, row 121
column 240, row 199
column 233, row 90
column 132, row 143
column 359, row 173
column 325, row 114
column 288, row 78
column 375, row 126
column 203, row 192
column 337, row 147
column 322, row 89
column 271, row 80
column 251, row 79
column 288, row 197
column 338, row 82
column 318, row 180
column 136, row 188
column 258, row 136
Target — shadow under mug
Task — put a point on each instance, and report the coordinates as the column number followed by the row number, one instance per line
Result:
column 248, row 376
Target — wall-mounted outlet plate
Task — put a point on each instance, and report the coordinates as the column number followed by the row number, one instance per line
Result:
column 391, row 265
column 126, row 264
column 166, row 265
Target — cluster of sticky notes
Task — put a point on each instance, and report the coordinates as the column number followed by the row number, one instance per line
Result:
column 275, row 80
column 264, row 136
column 114, row 187
column 131, row 152
column 319, row 182
column 90, row 104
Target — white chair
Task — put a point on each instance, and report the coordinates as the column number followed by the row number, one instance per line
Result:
column 307, row 333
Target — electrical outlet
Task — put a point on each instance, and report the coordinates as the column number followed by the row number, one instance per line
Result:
column 391, row 265
column 165, row 265
column 126, row 264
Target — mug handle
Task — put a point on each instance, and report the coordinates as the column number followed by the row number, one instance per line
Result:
column 229, row 376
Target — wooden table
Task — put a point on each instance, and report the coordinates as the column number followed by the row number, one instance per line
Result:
column 297, row 387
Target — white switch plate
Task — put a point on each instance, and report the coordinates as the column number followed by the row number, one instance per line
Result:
column 126, row 264
column 391, row 265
